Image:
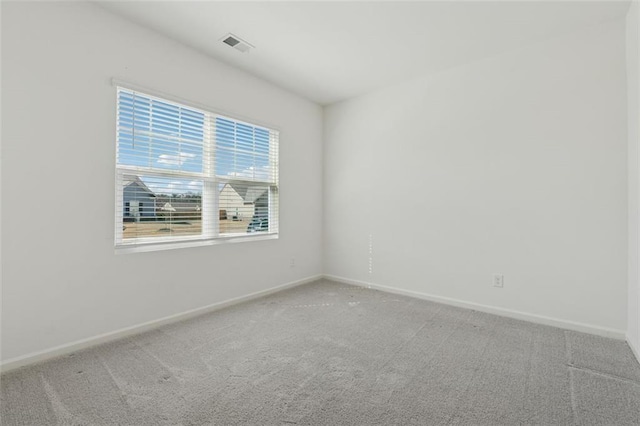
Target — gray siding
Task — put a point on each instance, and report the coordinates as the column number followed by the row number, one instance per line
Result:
column 138, row 203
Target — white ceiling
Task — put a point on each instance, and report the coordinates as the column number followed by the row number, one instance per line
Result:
column 330, row 51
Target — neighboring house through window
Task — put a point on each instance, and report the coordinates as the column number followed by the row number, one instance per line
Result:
column 187, row 174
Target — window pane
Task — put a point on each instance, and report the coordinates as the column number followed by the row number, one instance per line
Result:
column 244, row 208
column 244, row 151
column 159, row 207
column 159, row 134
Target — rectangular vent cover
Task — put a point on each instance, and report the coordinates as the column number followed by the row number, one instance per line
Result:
column 237, row 43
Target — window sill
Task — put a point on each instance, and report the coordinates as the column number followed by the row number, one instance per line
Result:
column 165, row 245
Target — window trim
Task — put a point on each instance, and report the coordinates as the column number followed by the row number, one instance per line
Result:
column 182, row 244
column 213, row 237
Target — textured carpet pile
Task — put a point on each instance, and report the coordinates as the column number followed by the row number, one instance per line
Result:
column 332, row 354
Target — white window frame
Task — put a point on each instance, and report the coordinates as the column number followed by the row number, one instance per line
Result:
column 210, row 193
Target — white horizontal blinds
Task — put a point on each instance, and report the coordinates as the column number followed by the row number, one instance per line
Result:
column 161, row 165
column 246, row 164
column 185, row 173
column 244, row 151
column 159, row 135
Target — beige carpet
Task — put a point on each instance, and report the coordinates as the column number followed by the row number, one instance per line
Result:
column 331, row 354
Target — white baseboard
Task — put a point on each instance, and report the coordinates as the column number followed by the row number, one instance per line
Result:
column 21, row 361
column 68, row 348
column 636, row 351
column 539, row 319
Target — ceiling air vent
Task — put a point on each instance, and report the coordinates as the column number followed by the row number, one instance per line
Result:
column 237, row 43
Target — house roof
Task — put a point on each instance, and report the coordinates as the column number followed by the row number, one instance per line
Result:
column 248, row 193
column 131, row 179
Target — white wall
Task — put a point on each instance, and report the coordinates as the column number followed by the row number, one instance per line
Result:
column 515, row 164
column 633, row 92
column 61, row 279
column 1, row 162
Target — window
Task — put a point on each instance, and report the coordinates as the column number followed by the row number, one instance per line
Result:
column 186, row 174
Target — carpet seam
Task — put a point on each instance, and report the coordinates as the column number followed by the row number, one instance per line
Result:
column 406, row 342
column 603, row 374
column 395, row 353
column 574, row 409
column 432, row 355
column 529, row 368
column 122, row 394
column 475, row 374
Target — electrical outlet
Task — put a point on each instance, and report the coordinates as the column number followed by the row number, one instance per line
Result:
column 498, row 280
column 292, row 264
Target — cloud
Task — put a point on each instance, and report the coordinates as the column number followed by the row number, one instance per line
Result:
column 164, row 186
column 194, row 186
column 253, row 173
column 176, row 187
column 175, row 160
column 173, row 187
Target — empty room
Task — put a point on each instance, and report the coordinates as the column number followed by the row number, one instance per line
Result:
column 320, row 213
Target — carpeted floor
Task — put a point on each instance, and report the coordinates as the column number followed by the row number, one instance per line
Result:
column 332, row 354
